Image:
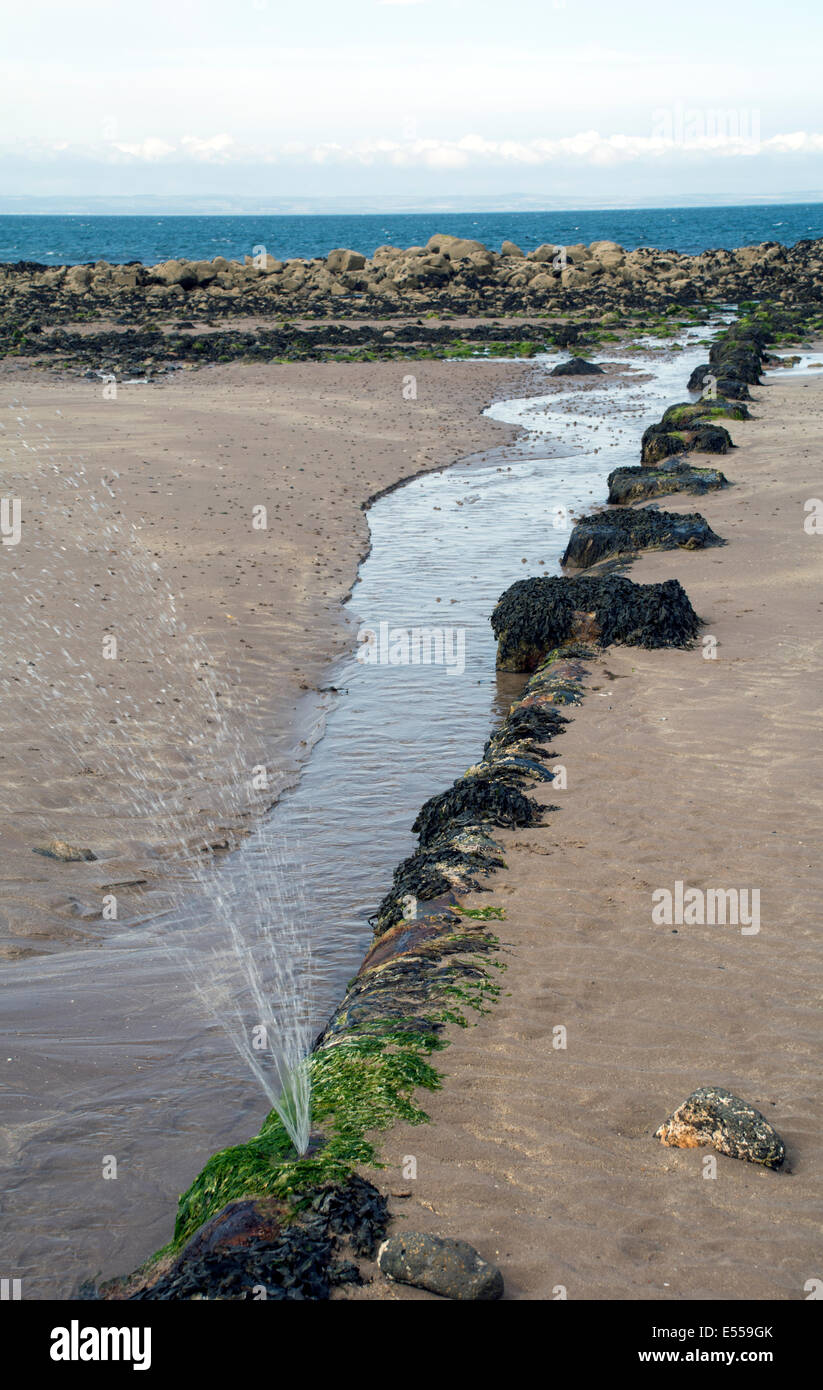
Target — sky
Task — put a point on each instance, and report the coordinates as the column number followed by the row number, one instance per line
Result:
column 530, row 101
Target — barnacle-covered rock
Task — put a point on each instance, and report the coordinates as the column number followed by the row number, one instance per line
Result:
column 714, row 1117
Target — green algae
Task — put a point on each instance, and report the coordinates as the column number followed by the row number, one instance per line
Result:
column 483, row 914
column 363, row 1081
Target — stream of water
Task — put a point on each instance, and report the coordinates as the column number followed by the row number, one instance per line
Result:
column 110, row 1052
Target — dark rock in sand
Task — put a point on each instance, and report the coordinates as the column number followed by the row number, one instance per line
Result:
column 714, row 1117
column 660, row 442
column 534, row 616
column 621, row 532
column 635, row 484
column 451, row 1268
column 66, row 854
column 727, row 387
column 576, row 366
column 740, row 363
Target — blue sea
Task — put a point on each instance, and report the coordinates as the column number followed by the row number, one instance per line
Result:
column 69, row 240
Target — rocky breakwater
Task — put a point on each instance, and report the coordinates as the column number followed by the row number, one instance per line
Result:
column 736, row 360
column 259, row 1215
column 449, row 274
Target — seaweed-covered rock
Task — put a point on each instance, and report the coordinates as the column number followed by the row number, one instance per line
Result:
column 558, row 680
column 450, row 862
column 576, row 366
column 660, row 441
column 690, row 413
column 635, row 484
column 534, row 616
column 451, row 1268
column 473, row 800
column 726, row 386
column 410, row 986
column 528, row 728
column 247, row 1249
column 741, row 363
column 621, row 532
column 714, row 1117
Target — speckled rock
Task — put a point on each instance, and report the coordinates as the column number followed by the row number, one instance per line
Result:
column 67, row 854
column 451, row 1268
column 714, row 1117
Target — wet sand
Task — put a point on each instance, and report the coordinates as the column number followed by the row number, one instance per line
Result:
column 679, row 767
column 189, row 457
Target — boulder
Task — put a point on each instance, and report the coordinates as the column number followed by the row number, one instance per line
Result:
column 544, row 254
column 534, row 616
column 451, row 1268
column 661, row 441
column 574, row 277
column 78, row 278
column 713, row 1116
column 342, row 259
column 65, row 853
column 175, row 273
column 576, row 366
column 510, row 249
column 608, row 533
column 455, row 247
column 634, row 484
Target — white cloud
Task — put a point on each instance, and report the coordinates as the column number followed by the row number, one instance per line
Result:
column 586, row 148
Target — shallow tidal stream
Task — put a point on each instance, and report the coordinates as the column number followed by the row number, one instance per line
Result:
column 107, row 1050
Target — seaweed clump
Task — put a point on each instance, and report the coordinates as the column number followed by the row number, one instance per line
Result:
column 535, row 615
column 301, row 1259
column 611, row 533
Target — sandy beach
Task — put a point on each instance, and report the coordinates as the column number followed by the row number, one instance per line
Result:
column 188, row 459
column 679, row 768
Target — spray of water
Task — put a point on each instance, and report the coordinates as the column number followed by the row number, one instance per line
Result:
column 110, row 687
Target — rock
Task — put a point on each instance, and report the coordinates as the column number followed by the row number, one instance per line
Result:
column 175, row 273
column 66, row 854
column 78, row 278
column 451, row 1268
column 534, row 616
column 544, row 254
column 576, row 366
column 342, row 259
column 611, row 533
column 661, row 442
column 714, row 1117
column 673, row 475
column 455, row 247
column 728, row 387
column 574, row 277
column 475, row 801
column 609, row 254
column 510, row 249
column 689, row 414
